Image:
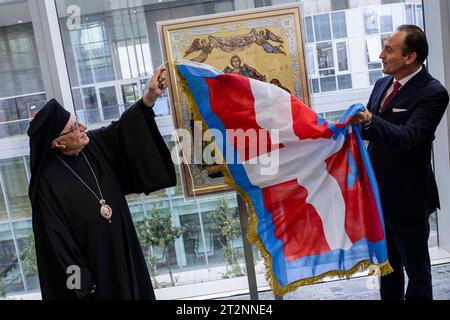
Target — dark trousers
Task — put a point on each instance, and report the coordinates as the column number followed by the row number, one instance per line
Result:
column 407, row 246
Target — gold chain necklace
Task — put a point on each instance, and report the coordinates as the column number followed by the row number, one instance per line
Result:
column 105, row 210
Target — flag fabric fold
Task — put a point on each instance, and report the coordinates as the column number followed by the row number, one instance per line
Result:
column 308, row 182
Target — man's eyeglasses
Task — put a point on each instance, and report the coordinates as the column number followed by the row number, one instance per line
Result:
column 75, row 127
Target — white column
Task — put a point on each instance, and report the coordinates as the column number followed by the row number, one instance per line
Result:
column 437, row 27
column 51, row 53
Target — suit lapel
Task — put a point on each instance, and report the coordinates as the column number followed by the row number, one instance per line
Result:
column 380, row 94
column 409, row 89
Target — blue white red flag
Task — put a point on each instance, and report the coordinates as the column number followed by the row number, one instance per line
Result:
column 315, row 210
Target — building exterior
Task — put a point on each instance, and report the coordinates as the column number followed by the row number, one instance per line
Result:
column 96, row 56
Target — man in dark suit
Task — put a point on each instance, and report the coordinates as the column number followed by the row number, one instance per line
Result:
column 402, row 114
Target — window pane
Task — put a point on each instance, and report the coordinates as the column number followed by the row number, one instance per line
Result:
column 329, row 72
column 14, row 178
column 3, row 212
column 191, row 239
column 339, row 25
column 383, row 38
column 225, row 245
column 375, row 65
column 134, row 198
column 374, row 76
column 28, row 107
column 341, row 48
column 10, row 276
column 315, row 85
column 419, row 16
column 92, row 51
column 161, row 107
column 325, row 55
column 373, row 48
column 19, row 63
column 309, row 29
column 345, row 81
column 386, row 20
column 409, row 14
column 310, row 60
column 91, row 112
column 322, row 27
column 130, row 94
column 328, row 84
column 371, row 20
column 25, row 241
column 78, row 100
column 21, row 88
column 16, row 112
column 158, row 256
column 110, row 107
column 386, row 23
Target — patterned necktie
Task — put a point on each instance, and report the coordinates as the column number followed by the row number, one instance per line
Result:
column 397, row 86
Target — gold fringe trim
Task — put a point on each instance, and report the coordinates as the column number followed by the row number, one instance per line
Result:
column 252, row 233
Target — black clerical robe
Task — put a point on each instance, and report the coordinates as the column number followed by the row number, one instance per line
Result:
column 128, row 156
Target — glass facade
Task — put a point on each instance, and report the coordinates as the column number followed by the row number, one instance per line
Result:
column 17, row 257
column 111, row 49
column 22, row 90
column 22, row 95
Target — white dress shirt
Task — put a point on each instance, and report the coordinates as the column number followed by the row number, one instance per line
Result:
column 402, row 83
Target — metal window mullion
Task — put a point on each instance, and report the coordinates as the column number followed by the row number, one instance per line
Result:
column 27, row 170
column 133, row 41
column 77, row 70
column 90, row 57
column 202, row 231
column 22, row 95
column 179, row 246
column 124, row 39
column 99, row 102
column 313, row 24
column 144, row 207
column 146, row 70
column 331, row 26
column 109, row 36
column 316, row 59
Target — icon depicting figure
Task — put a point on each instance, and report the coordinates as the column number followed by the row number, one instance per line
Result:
column 262, row 39
column 244, row 70
column 200, row 45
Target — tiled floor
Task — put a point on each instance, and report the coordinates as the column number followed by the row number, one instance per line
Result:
column 364, row 288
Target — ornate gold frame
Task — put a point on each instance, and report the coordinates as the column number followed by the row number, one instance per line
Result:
column 177, row 36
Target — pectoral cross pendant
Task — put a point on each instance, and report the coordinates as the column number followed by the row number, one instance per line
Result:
column 105, row 210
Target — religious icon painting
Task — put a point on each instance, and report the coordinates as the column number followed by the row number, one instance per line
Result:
column 263, row 44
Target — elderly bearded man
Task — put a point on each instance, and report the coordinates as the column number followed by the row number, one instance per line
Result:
column 81, row 221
